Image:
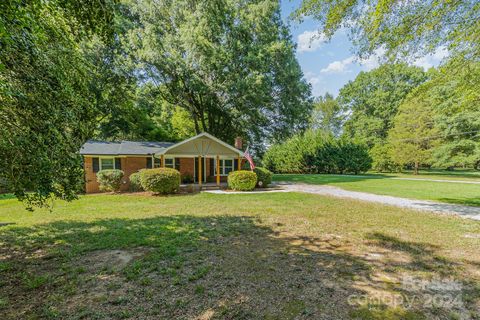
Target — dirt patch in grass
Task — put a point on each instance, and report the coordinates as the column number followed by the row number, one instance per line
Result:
column 114, row 260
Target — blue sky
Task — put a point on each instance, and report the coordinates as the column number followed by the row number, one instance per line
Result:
column 328, row 66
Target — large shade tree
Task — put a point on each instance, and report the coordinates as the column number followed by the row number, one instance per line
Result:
column 372, row 100
column 46, row 109
column 413, row 135
column 327, row 115
column 229, row 63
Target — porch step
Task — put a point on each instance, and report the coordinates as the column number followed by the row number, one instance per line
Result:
column 211, row 187
column 197, row 188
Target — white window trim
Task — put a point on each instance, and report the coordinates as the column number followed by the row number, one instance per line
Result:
column 173, row 162
column 222, row 166
column 100, row 160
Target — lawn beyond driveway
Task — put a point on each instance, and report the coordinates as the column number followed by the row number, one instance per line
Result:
column 450, row 192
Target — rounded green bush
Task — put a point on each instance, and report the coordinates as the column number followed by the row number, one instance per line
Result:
column 135, row 184
column 242, row 180
column 110, row 180
column 264, row 177
column 160, row 180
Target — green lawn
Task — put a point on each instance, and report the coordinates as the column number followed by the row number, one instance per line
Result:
column 457, row 174
column 253, row 256
column 450, row 192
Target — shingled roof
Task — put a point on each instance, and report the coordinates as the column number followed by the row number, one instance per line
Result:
column 115, row 148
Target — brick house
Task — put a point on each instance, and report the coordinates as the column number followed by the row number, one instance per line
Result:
column 200, row 159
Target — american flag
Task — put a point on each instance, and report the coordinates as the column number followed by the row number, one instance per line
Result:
column 248, row 156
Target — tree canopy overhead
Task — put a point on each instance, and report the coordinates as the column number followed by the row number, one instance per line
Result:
column 229, row 63
column 405, row 29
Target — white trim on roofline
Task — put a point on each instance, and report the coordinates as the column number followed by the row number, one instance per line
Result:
column 203, row 134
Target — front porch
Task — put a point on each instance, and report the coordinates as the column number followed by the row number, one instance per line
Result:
column 203, row 159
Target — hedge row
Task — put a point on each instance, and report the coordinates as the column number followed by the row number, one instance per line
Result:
column 317, row 152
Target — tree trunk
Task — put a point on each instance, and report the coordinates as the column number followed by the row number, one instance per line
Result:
column 415, row 172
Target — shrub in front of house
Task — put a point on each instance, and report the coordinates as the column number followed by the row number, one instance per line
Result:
column 187, row 178
column 135, row 184
column 110, row 179
column 160, row 180
column 264, row 177
column 242, row 180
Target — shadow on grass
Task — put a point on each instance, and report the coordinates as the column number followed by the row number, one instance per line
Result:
column 472, row 202
column 422, row 256
column 188, row 267
column 6, row 196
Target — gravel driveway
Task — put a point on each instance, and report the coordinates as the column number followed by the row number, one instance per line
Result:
column 464, row 211
column 424, row 205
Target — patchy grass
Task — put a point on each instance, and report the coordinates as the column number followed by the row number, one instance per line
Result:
column 205, row 256
column 449, row 192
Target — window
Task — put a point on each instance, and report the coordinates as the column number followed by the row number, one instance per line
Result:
column 226, row 166
column 157, row 163
column 107, row 163
column 170, row 163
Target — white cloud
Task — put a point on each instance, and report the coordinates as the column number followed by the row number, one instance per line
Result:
column 432, row 60
column 310, row 41
column 317, row 82
column 339, row 66
column 312, row 78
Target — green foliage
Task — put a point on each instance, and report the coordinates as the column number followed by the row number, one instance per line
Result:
column 413, row 135
column 292, row 155
column 135, row 183
column 405, row 31
column 402, row 28
column 351, row 157
column 242, row 180
column 315, row 152
column 46, row 109
column 382, row 159
column 264, row 177
column 110, row 180
column 160, row 180
column 187, row 178
column 454, row 94
column 230, row 64
column 327, row 115
column 373, row 99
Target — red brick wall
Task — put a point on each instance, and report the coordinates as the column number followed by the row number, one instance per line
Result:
column 91, row 184
column 133, row 164
column 187, row 166
column 129, row 166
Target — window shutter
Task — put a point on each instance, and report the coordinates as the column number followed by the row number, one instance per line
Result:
column 235, row 164
column 212, row 170
column 118, row 164
column 95, row 165
column 149, row 163
column 177, row 164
